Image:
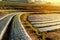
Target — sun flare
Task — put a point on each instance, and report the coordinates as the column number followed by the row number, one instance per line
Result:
column 53, row 2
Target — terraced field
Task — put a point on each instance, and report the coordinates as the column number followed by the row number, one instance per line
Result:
column 42, row 26
column 30, row 26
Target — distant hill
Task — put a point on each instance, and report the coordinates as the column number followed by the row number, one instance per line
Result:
column 30, row 6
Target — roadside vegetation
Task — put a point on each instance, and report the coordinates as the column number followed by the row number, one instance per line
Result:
column 32, row 31
column 35, row 34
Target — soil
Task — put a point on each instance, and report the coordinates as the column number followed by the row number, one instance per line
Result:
column 51, row 35
column 31, row 33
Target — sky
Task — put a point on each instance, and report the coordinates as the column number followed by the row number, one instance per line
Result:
column 55, row 2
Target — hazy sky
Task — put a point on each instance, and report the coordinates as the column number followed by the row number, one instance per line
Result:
column 52, row 1
column 55, row 2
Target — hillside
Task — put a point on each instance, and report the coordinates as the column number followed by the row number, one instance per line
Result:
column 28, row 6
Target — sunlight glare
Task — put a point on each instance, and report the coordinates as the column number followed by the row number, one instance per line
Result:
column 54, row 2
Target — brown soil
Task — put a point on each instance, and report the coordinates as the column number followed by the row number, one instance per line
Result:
column 31, row 33
column 51, row 35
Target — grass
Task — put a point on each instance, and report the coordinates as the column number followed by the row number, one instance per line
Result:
column 24, row 17
column 33, row 29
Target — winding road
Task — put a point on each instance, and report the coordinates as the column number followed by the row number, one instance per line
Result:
column 17, row 32
column 44, row 22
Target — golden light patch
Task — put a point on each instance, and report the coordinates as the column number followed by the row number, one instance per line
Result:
column 53, row 2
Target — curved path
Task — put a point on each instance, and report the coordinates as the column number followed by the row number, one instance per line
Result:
column 17, row 31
